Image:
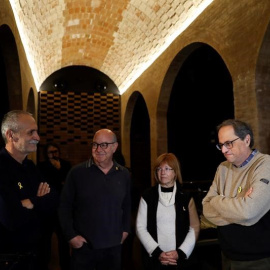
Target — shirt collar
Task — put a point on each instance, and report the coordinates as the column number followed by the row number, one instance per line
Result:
column 115, row 166
column 248, row 159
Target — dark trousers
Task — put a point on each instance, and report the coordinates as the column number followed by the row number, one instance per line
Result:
column 262, row 264
column 53, row 226
column 86, row 258
column 18, row 261
column 63, row 249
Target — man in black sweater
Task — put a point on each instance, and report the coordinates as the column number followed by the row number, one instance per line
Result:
column 26, row 201
column 95, row 207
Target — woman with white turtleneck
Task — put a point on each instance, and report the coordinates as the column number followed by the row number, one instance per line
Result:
column 167, row 222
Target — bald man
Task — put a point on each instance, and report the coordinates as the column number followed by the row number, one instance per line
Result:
column 95, row 207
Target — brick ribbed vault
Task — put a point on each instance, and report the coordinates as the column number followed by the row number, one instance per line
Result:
column 121, row 38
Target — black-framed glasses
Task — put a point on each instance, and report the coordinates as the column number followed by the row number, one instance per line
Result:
column 103, row 145
column 166, row 169
column 228, row 144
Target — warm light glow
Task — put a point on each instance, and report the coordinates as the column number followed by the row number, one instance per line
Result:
column 25, row 41
column 39, row 68
column 169, row 40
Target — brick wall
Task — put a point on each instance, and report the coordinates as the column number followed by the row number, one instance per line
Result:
column 71, row 119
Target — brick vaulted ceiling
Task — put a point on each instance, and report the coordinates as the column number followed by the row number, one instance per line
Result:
column 121, row 38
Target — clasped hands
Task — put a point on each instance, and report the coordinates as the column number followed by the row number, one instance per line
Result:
column 43, row 189
column 169, row 257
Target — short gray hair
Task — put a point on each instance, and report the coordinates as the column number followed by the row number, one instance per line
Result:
column 10, row 122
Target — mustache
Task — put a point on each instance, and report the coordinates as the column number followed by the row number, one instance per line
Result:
column 34, row 141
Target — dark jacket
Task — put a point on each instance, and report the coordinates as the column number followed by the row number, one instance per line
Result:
column 95, row 205
column 20, row 228
column 55, row 177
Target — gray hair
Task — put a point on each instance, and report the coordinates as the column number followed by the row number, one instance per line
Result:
column 10, row 122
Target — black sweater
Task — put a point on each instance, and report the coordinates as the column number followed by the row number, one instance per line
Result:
column 20, row 228
column 95, row 205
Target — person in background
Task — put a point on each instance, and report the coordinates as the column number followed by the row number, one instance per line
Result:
column 95, row 207
column 26, row 200
column 167, row 222
column 55, row 169
column 238, row 201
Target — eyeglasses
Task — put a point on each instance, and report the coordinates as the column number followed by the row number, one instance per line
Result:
column 53, row 152
column 165, row 169
column 103, row 145
column 228, row 144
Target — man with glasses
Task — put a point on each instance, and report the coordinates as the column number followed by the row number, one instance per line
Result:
column 95, row 207
column 238, row 201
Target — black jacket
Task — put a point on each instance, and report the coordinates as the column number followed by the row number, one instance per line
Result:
column 54, row 176
column 96, row 205
column 20, row 228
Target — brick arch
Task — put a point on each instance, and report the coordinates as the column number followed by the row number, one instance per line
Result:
column 165, row 93
column 127, row 125
column 137, row 123
column 196, row 96
column 262, row 88
column 120, row 38
column 31, row 102
column 79, row 78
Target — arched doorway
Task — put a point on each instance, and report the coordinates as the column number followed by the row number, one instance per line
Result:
column 140, row 144
column 201, row 98
column 10, row 78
